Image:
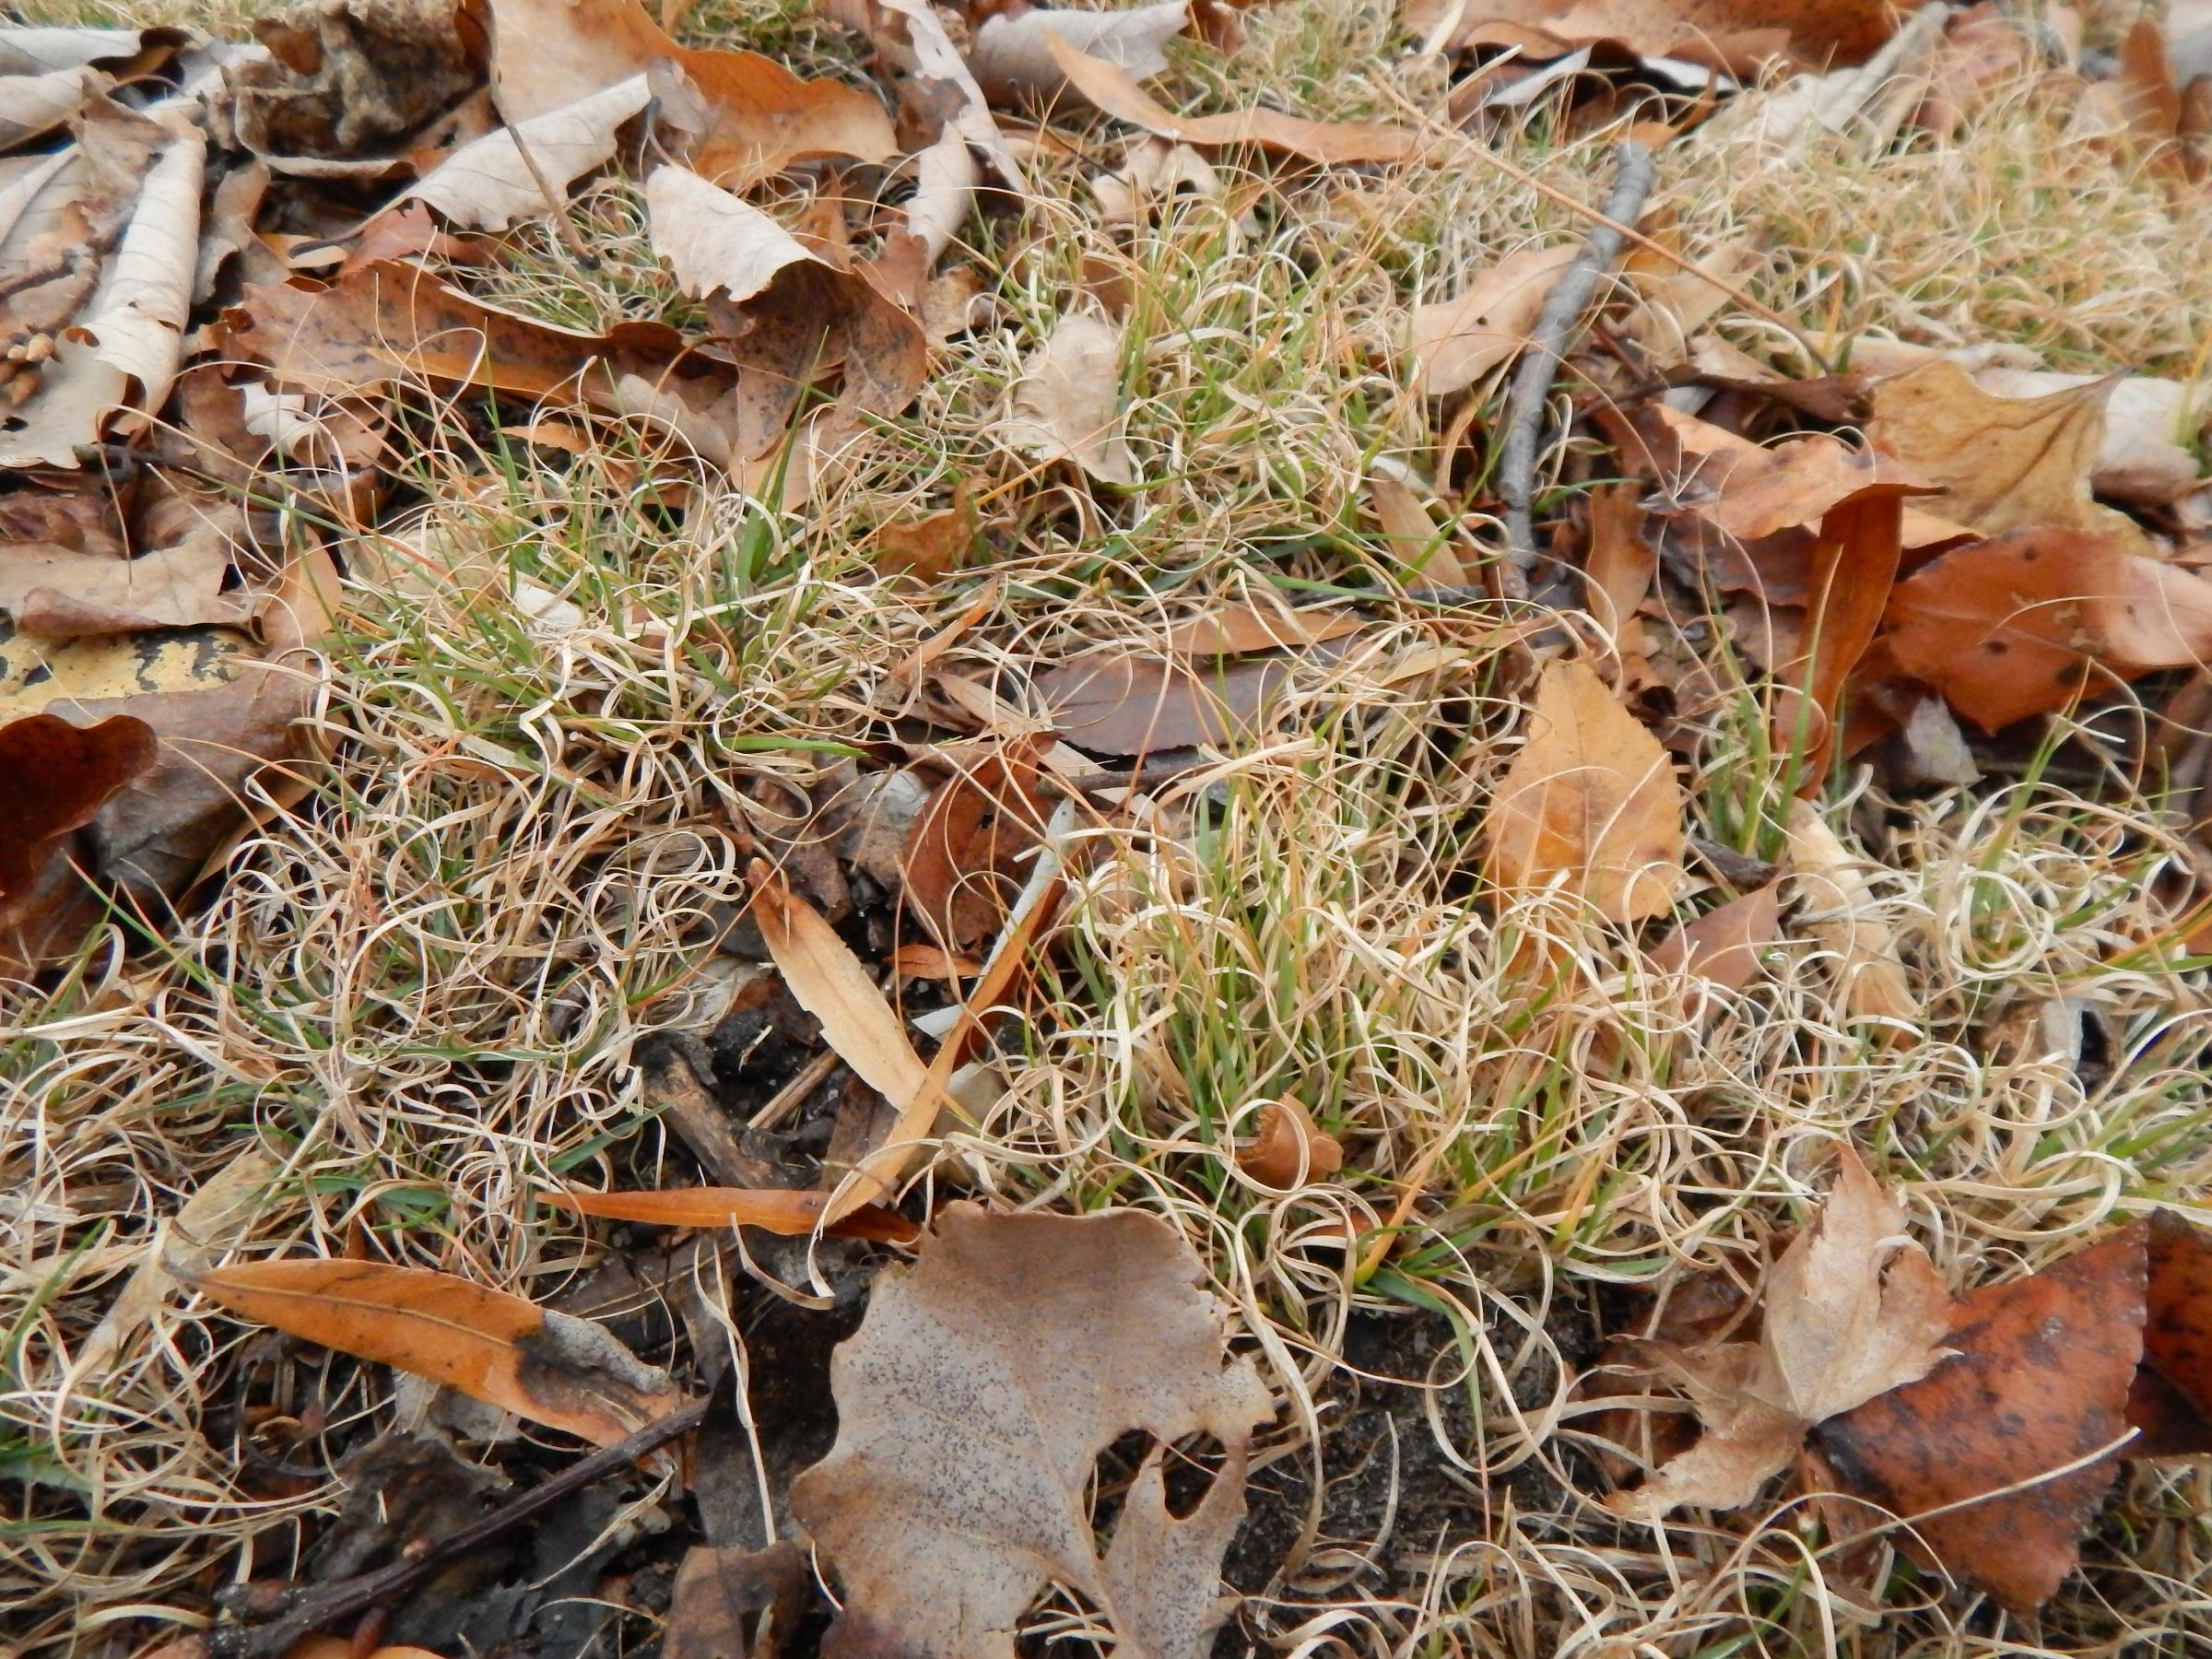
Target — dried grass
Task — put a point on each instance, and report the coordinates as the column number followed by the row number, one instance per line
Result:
column 422, row 990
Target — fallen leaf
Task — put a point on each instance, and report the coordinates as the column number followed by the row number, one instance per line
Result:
column 219, row 1214
column 1738, row 33
column 1855, row 565
column 2027, row 622
column 1156, row 172
column 1590, row 803
column 2038, row 1380
column 1456, row 341
column 1412, row 539
column 1330, row 143
column 503, row 176
column 1852, row 1310
column 2141, row 461
column 54, row 779
column 959, row 1485
column 1622, row 564
column 793, row 312
column 2172, row 1398
column 122, row 352
column 1012, row 58
column 732, row 1603
column 1290, row 1149
column 1117, row 705
column 1241, row 629
column 1675, row 297
column 2004, row 463
column 1724, row 945
column 566, row 1373
column 772, row 1209
column 1832, row 888
column 177, row 582
column 961, row 865
column 932, row 546
column 737, row 117
column 828, row 981
column 1068, row 402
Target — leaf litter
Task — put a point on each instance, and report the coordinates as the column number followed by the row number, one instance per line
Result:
column 278, row 317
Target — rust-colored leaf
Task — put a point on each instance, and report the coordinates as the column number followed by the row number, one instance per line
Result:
column 566, row 1373
column 772, row 1209
column 1725, row 944
column 2173, row 1398
column 1116, row 705
column 2027, row 622
column 1855, row 562
column 1590, row 803
column 1621, row 563
column 961, row 865
column 1331, row 142
column 2039, row 1381
column 1736, row 33
column 54, row 779
column 1289, row 1148
column 972, row 1409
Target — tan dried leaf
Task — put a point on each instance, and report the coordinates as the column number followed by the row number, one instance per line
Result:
column 502, row 177
column 1012, row 57
column 1832, row 887
column 1456, row 341
column 2004, row 463
column 1068, row 402
column 1590, row 803
column 1290, row 1147
column 972, row 1406
column 1724, row 944
column 1331, row 142
column 1853, row 1310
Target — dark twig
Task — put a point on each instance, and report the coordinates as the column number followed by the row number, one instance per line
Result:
column 326, row 1604
column 1633, row 170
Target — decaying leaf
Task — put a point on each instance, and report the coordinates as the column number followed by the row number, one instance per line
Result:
column 1832, row 887
column 728, row 1602
column 960, row 865
column 1739, row 33
column 2037, row 1383
column 2142, row 460
column 2031, row 621
column 1241, row 629
column 1012, row 59
column 1116, row 705
column 1069, row 400
column 567, row 1373
column 740, row 117
column 1725, row 944
column 1330, row 143
column 1290, row 1147
column 503, row 176
column 1852, row 1309
column 1457, row 341
column 2004, row 463
column 54, row 779
column 959, row 1484
column 772, row 1209
column 1590, row 803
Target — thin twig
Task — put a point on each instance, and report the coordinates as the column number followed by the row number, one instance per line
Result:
column 1634, row 169
column 319, row 1607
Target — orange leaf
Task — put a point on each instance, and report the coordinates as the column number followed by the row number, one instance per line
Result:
column 1854, row 566
column 772, row 1209
column 2022, row 624
column 2039, row 1381
column 1592, row 798
column 566, row 1373
column 2173, row 1398
column 1290, row 1147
